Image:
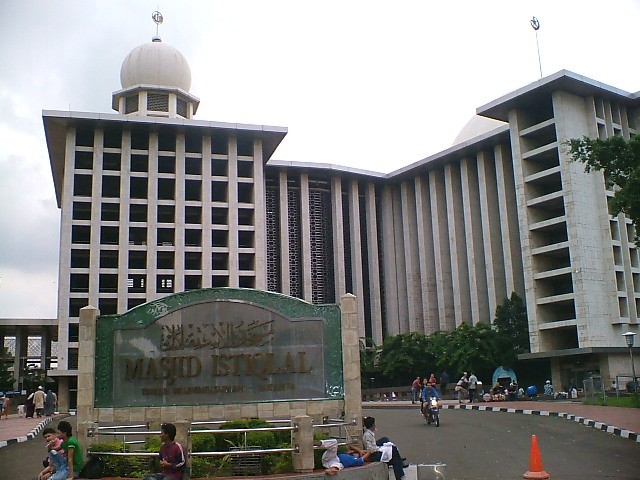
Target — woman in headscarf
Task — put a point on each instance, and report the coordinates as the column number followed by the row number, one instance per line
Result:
column 50, row 403
column 29, row 406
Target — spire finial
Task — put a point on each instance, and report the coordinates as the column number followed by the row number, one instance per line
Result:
column 157, row 19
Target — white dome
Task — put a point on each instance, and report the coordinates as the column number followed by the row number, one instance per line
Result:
column 476, row 126
column 155, row 63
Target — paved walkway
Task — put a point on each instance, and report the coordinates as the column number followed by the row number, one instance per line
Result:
column 16, row 429
column 624, row 422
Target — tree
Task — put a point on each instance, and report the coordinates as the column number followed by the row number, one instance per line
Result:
column 512, row 327
column 619, row 160
column 405, row 356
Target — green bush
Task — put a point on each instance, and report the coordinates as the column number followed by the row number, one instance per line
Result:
column 122, row 466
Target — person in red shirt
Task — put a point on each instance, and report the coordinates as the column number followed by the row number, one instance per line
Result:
column 415, row 390
column 172, row 458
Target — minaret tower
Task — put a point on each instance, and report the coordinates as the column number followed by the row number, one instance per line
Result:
column 155, row 79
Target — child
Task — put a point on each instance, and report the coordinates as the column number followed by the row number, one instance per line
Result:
column 172, row 459
column 53, row 443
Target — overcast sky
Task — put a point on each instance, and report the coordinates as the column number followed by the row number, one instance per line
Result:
column 368, row 84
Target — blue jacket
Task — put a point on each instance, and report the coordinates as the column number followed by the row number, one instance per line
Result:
column 429, row 392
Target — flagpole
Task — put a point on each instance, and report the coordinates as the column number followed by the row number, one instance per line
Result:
column 535, row 24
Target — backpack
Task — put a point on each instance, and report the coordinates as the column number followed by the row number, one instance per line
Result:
column 94, row 468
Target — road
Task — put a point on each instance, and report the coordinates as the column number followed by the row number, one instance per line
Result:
column 493, row 445
column 474, row 445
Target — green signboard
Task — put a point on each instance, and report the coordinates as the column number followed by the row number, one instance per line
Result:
column 219, row 346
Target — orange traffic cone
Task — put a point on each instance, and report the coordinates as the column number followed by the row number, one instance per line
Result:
column 535, row 462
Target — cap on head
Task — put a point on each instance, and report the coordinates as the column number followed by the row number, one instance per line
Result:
column 40, row 387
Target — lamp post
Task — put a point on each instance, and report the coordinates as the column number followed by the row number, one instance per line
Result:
column 629, row 337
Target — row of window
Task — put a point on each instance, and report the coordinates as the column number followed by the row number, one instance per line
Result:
column 166, row 164
column 110, row 212
column 112, row 134
column 165, row 260
column 165, row 237
column 165, row 284
column 139, row 188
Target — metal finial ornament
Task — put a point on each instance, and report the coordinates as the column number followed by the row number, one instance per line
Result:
column 157, row 18
column 535, row 24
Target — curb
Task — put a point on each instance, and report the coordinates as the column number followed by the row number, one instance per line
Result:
column 543, row 413
column 32, row 434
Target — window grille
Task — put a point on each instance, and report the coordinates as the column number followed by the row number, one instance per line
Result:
column 157, row 102
column 181, row 108
column 131, row 104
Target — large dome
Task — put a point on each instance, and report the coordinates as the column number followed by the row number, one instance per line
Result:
column 155, row 63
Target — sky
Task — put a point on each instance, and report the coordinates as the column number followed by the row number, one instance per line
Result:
column 366, row 84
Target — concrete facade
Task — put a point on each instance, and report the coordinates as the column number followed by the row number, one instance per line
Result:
column 152, row 205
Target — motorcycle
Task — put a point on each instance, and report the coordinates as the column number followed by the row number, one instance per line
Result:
column 431, row 411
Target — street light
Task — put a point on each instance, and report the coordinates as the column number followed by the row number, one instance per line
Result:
column 629, row 337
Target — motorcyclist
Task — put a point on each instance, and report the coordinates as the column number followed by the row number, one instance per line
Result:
column 428, row 392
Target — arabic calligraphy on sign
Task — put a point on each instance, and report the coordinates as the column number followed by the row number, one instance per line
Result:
column 216, row 335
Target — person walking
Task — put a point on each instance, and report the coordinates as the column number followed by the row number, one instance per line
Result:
column 461, row 387
column 473, row 386
column 50, row 403
column 38, row 401
column 415, row 390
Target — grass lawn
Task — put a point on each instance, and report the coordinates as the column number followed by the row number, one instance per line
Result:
column 629, row 401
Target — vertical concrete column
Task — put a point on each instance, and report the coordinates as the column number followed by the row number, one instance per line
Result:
column 338, row 237
column 400, row 277
column 390, row 267
column 86, row 369
column 411, row 261
column 233, row 212
column 475, row 249
column 20, row 360
column 45, row 347
column 439, row 225
column 356, row 250
column 374, row 266
column 426, row 257
column 283, row 191
column 260, row 217
column 152, row 215
column 517, row 150
column 305, row 238
column 351, row 358
column 508, row 211
column 180, row 204
column 302, row 439
column 66, row 221
column 123, row 216
column 489, row 209
column 96, row 207
column 458, row 251
column 206, row 212
column 87, row 434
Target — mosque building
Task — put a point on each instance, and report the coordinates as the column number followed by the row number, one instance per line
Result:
column 154, row 201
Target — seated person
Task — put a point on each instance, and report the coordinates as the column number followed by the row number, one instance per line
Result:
column 172, row 458
column 72, row 449
column 386, row 452
column 548, row 389
column 512, row 392
column 53, row 443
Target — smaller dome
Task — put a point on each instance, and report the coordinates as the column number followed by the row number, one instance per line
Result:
column 476, row 126
column 155, row 63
